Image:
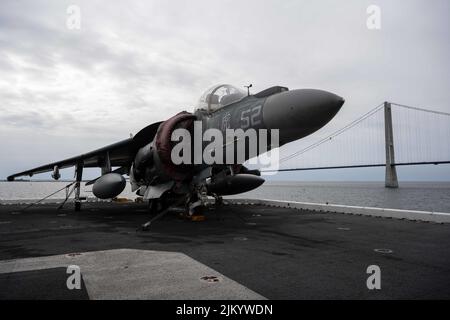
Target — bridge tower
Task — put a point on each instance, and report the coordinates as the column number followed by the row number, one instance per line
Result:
column 391, row 180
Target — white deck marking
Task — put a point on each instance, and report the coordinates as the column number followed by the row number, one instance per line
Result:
column 431, row 216
column 139, row 274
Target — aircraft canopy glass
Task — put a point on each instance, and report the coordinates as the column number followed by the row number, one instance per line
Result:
column 219, row 96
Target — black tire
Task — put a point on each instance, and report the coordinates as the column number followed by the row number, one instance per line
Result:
column 77, row 206
column 199, row 211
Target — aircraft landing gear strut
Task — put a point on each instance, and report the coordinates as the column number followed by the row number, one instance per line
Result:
column 154, row 204
column 78, row 175
column 197, row 201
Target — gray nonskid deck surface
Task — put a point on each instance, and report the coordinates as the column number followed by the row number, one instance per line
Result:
column 275, row 253
column 129, row 274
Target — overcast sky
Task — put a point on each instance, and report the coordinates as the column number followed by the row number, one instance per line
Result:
column 67, row 91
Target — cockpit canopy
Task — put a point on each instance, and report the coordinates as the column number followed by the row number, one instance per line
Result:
column 219, row 96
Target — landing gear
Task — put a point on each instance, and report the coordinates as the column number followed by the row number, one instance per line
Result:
column 197, row 211
column 153, row 205
column 218, row 200
column 157, row 205
column 195, row 205
column 78, row 175
column 197, row 201
column 158, row 208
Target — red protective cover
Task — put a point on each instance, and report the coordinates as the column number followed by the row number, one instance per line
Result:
column 164, row 144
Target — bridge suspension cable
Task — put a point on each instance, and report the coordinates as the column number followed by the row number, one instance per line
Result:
column 420, row 109
column 420, row 136
column 334, row 134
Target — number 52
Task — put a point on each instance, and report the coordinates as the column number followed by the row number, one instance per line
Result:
column 251, row 117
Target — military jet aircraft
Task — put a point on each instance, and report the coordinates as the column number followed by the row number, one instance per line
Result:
column 147, row 156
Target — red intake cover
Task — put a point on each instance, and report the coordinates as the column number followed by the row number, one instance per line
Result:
column 164, row 144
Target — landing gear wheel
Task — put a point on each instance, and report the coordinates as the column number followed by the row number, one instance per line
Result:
column 77, row 206
column 198, row 211
column 219, row 201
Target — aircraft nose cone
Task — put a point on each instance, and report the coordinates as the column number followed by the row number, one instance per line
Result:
column 298, row 113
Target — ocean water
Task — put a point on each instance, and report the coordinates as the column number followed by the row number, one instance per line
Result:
column 25, row 191
column 428, row 196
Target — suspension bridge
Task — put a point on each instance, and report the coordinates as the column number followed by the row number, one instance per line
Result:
column 389, row 135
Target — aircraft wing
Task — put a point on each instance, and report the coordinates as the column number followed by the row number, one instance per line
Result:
column 121, row 154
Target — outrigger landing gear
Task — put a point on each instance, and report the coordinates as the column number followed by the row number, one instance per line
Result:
column 79, row 175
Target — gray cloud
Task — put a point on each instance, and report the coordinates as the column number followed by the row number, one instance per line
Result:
column 135, row 63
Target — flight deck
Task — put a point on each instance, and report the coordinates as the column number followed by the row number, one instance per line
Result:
column 237, row 252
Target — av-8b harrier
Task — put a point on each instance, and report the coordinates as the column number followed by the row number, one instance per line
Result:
column 159, row 177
